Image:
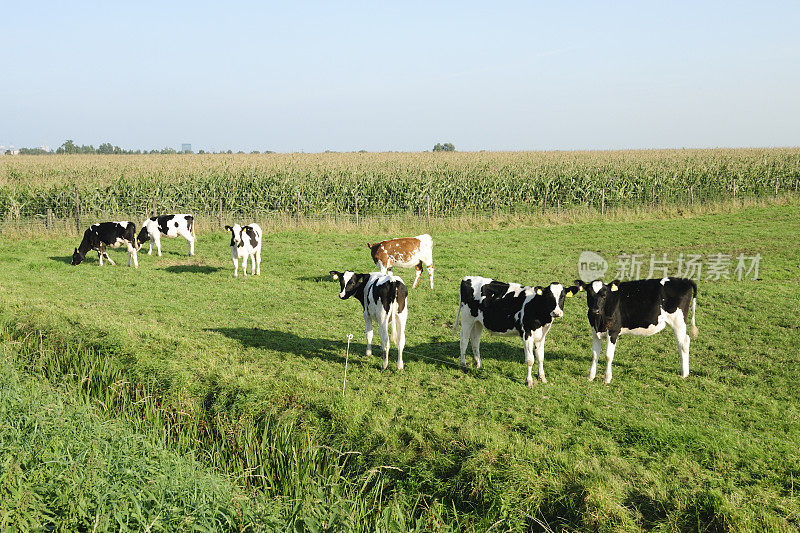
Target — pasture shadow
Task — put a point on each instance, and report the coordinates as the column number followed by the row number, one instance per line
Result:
column 65, row 259
column 326, row 277
column 191, row 269
column 653, row 513
column 289, row 343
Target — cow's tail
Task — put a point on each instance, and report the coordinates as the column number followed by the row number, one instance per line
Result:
column 457, row 321
column 191, row 225
column 394, row 318
column 693, row 331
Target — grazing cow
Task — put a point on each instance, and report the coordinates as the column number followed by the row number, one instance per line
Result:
column 509, row 309
column 245, row 242
column 406, row 252
column 384, row 298
column 169, row 226
column 641, row 307
column 100, row 236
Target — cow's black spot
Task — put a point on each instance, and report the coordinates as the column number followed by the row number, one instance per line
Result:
column 163, row 223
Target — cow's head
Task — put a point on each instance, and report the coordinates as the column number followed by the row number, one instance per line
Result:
column 77, row 257
column 349, row 282
column 597, row 293
column 555, row 294
column 236, row 235
column 142, row 238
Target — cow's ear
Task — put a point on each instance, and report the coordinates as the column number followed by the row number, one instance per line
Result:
column 334, row 274
column 572, row 291
column 614, row 285
column 228, row 228
column 76, row 250
column 539, row 291
column 578, row 285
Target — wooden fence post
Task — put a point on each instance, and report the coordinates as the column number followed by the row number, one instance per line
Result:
column 220, row 212
column 734, row 191
column 602, row 201
column 154, row 206
column 49, row 219
column 297, row 208
column 776, row 187
column 355, row 203
column 691, row 194
column 429, row 207
column 544, row 201
column 77, row 211
column 654, row 196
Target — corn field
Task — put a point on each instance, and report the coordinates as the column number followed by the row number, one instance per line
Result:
column 438, row 184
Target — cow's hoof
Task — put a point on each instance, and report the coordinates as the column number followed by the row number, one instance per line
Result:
column 463, row 368
column 606, row 381
column 544, row 381
column 529, row 383
column 400, row 368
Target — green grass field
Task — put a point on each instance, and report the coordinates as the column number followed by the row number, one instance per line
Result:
column 717, row 451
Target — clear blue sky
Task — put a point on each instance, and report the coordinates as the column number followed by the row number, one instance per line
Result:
column 311, row 76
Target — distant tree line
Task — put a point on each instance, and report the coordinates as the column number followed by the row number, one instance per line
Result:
column 446, row 147
column 69, row 147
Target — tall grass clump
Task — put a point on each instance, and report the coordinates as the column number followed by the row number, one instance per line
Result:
column 287, row 481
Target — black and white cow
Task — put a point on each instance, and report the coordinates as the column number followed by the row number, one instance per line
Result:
column 100, row 236
column 384, row 298
column 169, row 226
column 509, row 309
column 641, row 307
column 245, row 242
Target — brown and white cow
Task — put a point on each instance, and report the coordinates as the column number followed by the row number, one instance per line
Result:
column 406, row 252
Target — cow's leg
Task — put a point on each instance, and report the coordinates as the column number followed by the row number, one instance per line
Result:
column 540, row 359
column 528, row 347
column 104, row 251
column 258, row 262
column 418, row 268
column 368, row 323
column 244, row 265
column 682, row 337
column 133, row 254
column 235, row 263
column 597, row 345
column 383, row 331
column 610, row 347
column 186, row 234
column 100, row 257
column 430, row 272
column 475, row 339
column 466, row 329
column 400, row 333
column 150, row 247
column 157, row 240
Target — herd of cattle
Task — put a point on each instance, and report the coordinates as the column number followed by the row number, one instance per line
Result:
column 639, row 307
